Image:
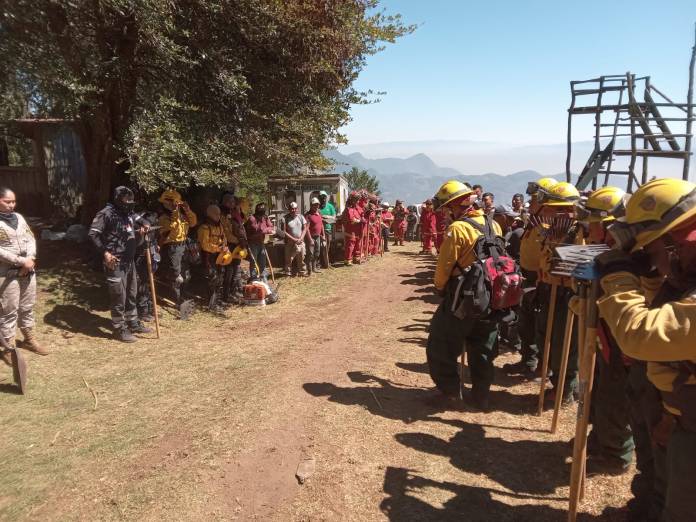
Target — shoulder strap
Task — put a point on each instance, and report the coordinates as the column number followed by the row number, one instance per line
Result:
column 488, row 233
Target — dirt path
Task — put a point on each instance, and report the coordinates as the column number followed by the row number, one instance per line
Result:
column 214, row 426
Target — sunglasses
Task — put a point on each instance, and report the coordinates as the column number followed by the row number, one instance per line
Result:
column 626, row 234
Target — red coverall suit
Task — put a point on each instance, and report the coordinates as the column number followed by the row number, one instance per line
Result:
column 428, row 229
column 399, row 225
column 353, row 225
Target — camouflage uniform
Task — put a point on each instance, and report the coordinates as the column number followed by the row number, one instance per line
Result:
column 17, row 294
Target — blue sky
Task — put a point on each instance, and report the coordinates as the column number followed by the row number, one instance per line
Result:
column 499, row 70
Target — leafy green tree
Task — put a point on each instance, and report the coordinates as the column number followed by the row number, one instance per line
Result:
column 181, row 93
column 360, row 179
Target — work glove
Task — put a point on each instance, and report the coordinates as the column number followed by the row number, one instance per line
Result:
column 613, row 261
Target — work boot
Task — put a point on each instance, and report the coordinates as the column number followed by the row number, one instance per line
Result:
column 317, row 268
column 139, row 328
column 124, row 335
column 601, row 465
column 479, row 398
column 31, row 343
column 520, row 368
column 6, row 355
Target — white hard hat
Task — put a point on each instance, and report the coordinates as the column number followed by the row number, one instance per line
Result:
column 293, row 204
column 315, row 201
column 385, row 204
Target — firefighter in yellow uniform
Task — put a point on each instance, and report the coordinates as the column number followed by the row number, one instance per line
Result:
column 611, row 442
column 659, row 230
column 530, row 258
column 448, row 333
column 557, row 206
column 212, row 240
column 175, row 222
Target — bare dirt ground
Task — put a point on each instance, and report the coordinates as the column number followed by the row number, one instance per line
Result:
column 211, row 421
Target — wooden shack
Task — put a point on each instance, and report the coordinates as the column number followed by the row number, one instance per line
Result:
column 55, row 184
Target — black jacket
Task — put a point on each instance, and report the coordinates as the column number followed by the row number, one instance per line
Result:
column 114, row 231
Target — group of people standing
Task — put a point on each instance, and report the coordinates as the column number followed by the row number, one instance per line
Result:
column 644, row 392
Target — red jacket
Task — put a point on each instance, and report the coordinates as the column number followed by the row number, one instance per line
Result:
column 352, row 220
column 428, row 222
column 440, row 221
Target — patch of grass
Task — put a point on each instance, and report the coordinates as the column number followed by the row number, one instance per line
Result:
column 61, row 455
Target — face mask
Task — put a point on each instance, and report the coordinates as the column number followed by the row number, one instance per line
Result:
column 125, row 206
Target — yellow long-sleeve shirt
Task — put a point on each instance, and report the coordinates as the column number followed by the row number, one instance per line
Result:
column 530, row 250
column 174, row 227
column 211, row 237
column 657, row 335
column 458, row 247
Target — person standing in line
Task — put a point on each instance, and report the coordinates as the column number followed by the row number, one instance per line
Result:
column 176, row 221
column 328, row 215
column 531, row 320
column 441, row 224
column 232, row 220
column 428, row 226
column 113, row 235
column 448, row 334
column 294, row 228
column 352, row 225
column 399, row 224
column 212, row 240
column 17, row 278
column 658, row 233
column 387, row 220
column 257, row 227
column 144, row 301
column 315, row 235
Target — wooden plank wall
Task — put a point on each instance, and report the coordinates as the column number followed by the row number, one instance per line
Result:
column 25, row 183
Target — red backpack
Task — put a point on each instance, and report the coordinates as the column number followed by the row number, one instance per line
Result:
column 493, row 283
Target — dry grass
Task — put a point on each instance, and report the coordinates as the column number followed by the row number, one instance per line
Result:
column 211, row 420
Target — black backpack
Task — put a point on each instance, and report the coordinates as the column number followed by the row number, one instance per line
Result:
column 493, row 282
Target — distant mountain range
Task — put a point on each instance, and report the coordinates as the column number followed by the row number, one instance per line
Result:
column 418, row 177
column 414, row 170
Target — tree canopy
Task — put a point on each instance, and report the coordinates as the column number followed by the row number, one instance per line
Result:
column 360, row 179
column 182, row 93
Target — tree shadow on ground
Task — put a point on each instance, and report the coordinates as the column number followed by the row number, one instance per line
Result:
column 507, row 463
column 466, row 503
column 78, row 320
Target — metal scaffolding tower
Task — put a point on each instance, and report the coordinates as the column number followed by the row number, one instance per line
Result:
column 621, row 116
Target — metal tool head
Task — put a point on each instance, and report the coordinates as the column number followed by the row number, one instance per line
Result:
column 19, row 370
column 186, row 309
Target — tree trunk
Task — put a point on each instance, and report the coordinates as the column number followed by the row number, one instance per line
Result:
column 98, row 149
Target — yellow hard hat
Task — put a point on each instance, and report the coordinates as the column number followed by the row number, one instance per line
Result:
column 560, row 194
column 544, row 184
column 604, row 204
column 653, row 210
column 224, row 258
column 171, row 195
column 452, row 190
column 239, row 253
